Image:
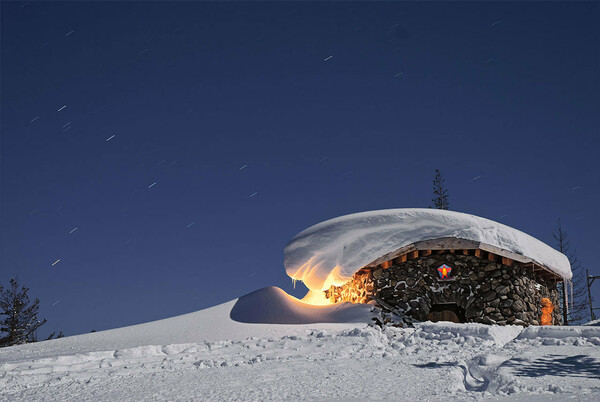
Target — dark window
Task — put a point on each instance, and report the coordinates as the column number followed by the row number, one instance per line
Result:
column 446, row 312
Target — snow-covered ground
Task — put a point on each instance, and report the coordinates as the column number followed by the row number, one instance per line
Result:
column 330, row 353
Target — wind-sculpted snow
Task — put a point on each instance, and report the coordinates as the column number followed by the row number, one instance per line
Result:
column 272, row 305
column 268, row 306
column 493, row 334
column 332, row 251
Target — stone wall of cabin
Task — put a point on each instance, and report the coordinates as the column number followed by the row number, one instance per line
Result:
column 488, row 292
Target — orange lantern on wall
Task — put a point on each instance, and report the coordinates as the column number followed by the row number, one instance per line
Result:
column 547, row 308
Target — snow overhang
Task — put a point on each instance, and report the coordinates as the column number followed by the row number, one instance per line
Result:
column 329, row 253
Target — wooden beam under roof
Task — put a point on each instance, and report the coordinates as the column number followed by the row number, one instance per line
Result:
column 401, row 252
column 444, row 244
column 504, row 253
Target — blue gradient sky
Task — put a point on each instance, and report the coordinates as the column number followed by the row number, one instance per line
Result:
column 333, row 108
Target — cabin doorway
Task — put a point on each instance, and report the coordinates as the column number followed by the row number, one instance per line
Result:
column 446, row 312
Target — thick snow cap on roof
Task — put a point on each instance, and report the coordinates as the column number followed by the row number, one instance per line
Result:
column 330, row 252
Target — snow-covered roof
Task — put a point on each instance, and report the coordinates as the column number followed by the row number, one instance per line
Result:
column 331, row 252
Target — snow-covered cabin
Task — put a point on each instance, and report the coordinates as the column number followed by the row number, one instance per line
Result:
column 431, row 265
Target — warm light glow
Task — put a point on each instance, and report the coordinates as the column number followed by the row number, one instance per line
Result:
column 355, row 291
column 316, row 294
column 316, row 298
column 547, row 308
column 316, row 283
column 334, row 278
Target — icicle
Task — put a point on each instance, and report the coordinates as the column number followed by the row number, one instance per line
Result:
column 566, row 291
column 572, row 297
column 294, row 282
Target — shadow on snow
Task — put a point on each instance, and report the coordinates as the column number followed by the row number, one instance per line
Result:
column 557, row 365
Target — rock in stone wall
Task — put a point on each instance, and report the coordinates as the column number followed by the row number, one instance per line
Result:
column 484, row 291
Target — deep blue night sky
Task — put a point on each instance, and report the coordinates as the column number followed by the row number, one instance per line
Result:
column 257, row 120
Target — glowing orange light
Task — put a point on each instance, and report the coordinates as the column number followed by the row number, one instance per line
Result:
column 547, row 308
column 316, row 298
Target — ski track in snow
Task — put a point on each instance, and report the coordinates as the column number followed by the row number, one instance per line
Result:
column 431, row 361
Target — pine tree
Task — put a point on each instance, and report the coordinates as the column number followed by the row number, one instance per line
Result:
column 20, row 315
column 578, row 303
column 440, row 193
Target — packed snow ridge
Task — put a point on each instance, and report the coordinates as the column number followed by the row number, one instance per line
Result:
column 329, row 253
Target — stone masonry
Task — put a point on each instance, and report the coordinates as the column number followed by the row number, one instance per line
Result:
column 486, row 291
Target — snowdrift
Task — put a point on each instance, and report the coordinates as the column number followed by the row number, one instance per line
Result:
column 272, row 305
column 262, row 313
column 556, row 332
column 332, row 251
column 495, row 334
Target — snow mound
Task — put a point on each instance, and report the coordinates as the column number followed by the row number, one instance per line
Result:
column 556, row 332
column 332, row 251
column 495, row 334
column 268, row 310
column 595, row 323
column 272, row 305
